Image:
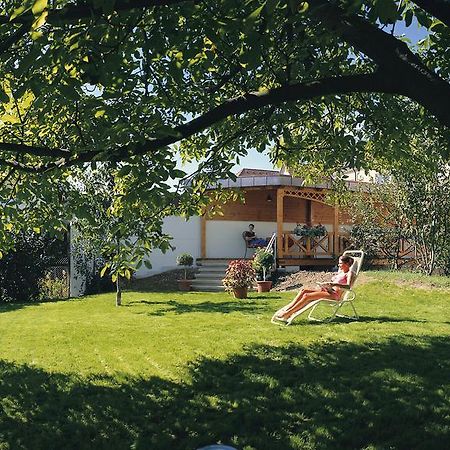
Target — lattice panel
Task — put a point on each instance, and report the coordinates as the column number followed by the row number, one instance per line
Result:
column 316, row 196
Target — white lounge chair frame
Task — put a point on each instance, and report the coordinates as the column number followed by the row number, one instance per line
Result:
column 347, row 298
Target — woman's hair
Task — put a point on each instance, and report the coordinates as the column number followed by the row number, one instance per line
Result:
column 347, row 259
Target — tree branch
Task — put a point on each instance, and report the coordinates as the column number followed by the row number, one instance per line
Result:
column 235, row 106
column 437, row 8
column 393, row 57
column 36, row 151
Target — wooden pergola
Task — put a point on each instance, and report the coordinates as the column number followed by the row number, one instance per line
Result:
column 291, row 248
column 311, row 195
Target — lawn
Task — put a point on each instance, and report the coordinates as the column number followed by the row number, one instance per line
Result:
column 183, row 370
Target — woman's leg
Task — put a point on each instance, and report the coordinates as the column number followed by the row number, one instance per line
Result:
column 291, row 304
column 306, row 299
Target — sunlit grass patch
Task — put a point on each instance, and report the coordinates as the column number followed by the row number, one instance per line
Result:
column 183, row 370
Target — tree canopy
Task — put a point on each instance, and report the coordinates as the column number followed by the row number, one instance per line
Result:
column 125, row 85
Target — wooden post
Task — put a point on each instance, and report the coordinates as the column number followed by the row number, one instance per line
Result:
column 280, row 207
column 203, row 236
column 308, row 211
column 336, row 249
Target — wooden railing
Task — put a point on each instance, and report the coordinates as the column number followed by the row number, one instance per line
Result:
column 294, row 246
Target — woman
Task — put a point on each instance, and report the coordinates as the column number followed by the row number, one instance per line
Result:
column 331, row 290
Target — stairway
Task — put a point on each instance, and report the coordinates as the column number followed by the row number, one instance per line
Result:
column 210, row 274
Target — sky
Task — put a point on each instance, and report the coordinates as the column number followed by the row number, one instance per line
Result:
column 256, row 160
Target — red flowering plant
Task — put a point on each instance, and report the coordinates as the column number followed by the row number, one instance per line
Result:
column 240, row 274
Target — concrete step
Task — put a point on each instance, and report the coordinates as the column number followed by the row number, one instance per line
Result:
column 208, row 280
column 212, row 269
column 210, row 274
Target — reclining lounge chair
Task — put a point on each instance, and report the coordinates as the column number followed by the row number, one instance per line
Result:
column 347, row 298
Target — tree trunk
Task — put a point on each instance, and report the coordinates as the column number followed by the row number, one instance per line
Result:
column 118, row 292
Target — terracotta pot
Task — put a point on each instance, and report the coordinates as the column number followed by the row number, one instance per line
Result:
column 240, row 292
column 264, row 286
column 184, row 285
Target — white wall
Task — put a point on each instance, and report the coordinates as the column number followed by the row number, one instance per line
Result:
column 186, row 239
column 223, row 240
column 224, row 237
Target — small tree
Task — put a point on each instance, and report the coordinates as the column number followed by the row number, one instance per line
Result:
column 186, row 260
column 262, row 262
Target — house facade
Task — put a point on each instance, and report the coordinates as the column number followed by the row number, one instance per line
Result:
column 278, row 204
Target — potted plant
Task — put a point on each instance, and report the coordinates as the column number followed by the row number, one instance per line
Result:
column 240, row 275
column 186, row 260
column 262, row 263
column 310, row 231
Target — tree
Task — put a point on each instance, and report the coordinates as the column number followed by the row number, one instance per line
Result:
column 426, row 205
column 380, row 222
column 414, row 204
column 130, row 84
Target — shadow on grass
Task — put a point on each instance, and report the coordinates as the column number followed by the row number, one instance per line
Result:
column 332, row 396
column 7, row 307
column 363, row 319
column 173, row 306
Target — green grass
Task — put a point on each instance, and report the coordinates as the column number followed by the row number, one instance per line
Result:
column 183, row 370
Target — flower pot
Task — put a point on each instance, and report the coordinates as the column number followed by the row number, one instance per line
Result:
column 184, row 285
column 240, row 292
column 264, row 286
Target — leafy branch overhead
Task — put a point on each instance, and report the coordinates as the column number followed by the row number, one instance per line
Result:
column 101, row 100
column 110, row 81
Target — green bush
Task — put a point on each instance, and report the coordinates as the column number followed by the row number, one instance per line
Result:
column 53, row 287
column 22, row 269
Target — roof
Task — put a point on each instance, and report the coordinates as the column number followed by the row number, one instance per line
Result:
column 273, row 178
column 257, row 173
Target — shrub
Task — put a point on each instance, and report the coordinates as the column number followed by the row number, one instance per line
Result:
column 186, row 260
column 23, row 268
column 240, row 274
column 53, row 287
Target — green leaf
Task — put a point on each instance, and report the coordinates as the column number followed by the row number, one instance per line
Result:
column 103, row 271
column 19, row 11
column 423, row 19
column 40, row 21
column 387, row 11
column 99, row 113
column 39, row 6
column 408, row 17
column 256, row 13
column 147, row 264
column 35, row 35
column 124, row 171
column 69, row 92
column 303, row 7
column 4, row 97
